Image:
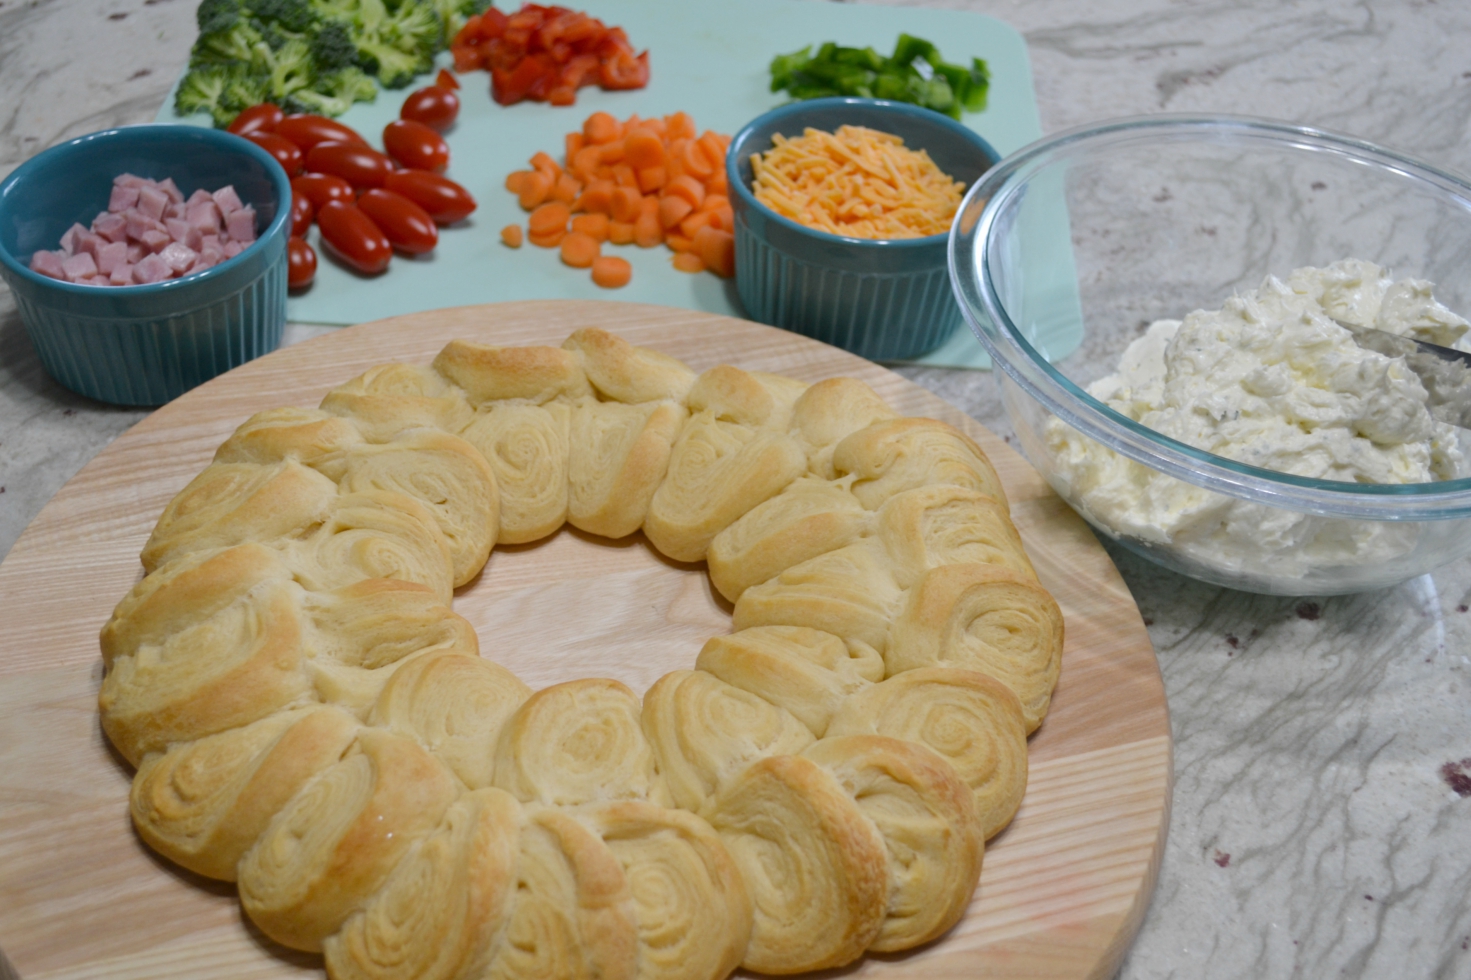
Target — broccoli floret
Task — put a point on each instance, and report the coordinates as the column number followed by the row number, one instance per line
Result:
column 240, row 43
column 333, row 49
column 203, row 90
column 454, row 13
column 295, row 16
column 334, row 94
column 217, row 15
column 291, row 70
column 402, row 41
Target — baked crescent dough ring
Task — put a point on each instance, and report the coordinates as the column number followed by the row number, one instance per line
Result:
column 309, row 717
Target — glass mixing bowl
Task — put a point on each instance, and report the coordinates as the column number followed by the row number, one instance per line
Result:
column 1169, row 214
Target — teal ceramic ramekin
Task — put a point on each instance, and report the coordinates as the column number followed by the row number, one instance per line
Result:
column 145, row 345
column 883, row 300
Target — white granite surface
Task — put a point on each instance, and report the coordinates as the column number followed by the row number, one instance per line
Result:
column 1322, row 809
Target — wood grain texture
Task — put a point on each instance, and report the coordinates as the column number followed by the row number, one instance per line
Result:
column 1064, row 887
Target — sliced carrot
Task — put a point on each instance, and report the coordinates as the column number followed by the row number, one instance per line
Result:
column 713, row 202
column 620, row 232
column 649, row 205
column 598, row 197
column 656, row 126
column 572, row 143
column 696, row 163
column 718, row 184
column 678, row 242
column 601, row 128
column 673, row 210
column 688, row 188
column 679, row 126
column 626, row 203
column 534, row 189
column 688, row 262
column 603, row 172
column 511, row 235
column 643, row 149
column 694, row 223
column 651, row 179
column 567, row 189
column 713, row 148
column 550, row 240
column 550, row 217
column 624, row 176
column 585, row 163
column 611, row 153
column 579, row 250
column 543, row 161
column 717, row 250
column 516, row 179
column 647, row 232
column 722, row 218
column 611, row 272
column 592, row 225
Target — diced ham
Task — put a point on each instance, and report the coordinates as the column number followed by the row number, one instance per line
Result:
column 227, row 199
column 179, row 256
column 205, row 216
column 87, row 242
column 113, row 227
column 139, row 224
column 200, row 264
column 241, row 225
column 110, row 256
column 193, row 239
column 79, row 266
column 170, row 188
column 233, row 248
column 198, row 197
column 152, row 201
column 130, row 180
column 151, row 269
column 177, row 228
column 136, row 251
column 155, row 241
column 69, row 238
column 122, row 274
column 123, row 197
column 212, row 252
column 49, row 263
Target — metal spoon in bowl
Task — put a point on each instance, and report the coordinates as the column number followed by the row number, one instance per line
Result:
column 1445, row 373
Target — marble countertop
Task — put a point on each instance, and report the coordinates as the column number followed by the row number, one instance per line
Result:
column 1322, row 805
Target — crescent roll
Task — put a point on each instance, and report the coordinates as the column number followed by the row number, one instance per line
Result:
column 705, row 731
column 816, row 867
column 526, row 446
column 334, row 844
column 830, row 411
column 690, row 901
column 303, row 434
column 971, row 720
column 809, row 518
column 985, row 618
column 532, row 374
column 618, row 455
column 621, row 372
column 948, row 525
column 902, row 454
column 444, row 907
column 927, row 818
column 573, row 916
column 203, row 804
column 387, row 400
column 236, row 503
column 806, row 671
column 578, row 742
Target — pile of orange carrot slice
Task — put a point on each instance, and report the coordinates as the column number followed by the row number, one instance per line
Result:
column 637, row 182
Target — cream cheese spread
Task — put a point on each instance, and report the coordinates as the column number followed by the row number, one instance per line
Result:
column 1270, row 380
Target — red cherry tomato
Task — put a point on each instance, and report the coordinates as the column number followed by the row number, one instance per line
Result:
column 445, row 80
column 321, row 188
column 307, row 130
column 434, row 106
column 263, row 118
column 444, row 200
column 353, row 237
column 408, row 226
column 301, row 263
column 287, row 153
column 301, row 212
column 415, row 145
column 358, row 164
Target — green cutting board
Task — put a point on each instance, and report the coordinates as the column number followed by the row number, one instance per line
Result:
column 708, row 59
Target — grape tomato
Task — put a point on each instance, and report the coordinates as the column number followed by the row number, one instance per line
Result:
column 321, row 188
column 307, row 130
column 302, row 212
column 263, row 118
column 434, row 106
column 354, row 237
column 407, row 226
column 287, row 153
column 415, row 145
column 301, row 263
column 358, row 164
column 444, row 200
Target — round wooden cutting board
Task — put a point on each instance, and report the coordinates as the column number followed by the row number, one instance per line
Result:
column 1063, row 889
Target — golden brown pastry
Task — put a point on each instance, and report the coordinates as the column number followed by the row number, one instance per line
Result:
column 324, row 855
column 690, row 901
column 533, row 374
column 928, row 821
column 526, row 446
column 203, row 804
column 806, row 671
column 624, row 373
column 303, row 434
column 809, row 518
column 455, row 705
column 235, row 503
column 443, row 909
column 704, row 732
column 617, row 458
column 816, row 867
column 971, row 720
column 392, row 398
column 218, row 644
column 375, row 534
column 830, row 411
column 573, row 916
column 902, row 454
column 849, row 592
column 985, row 618
column 578, row 742
column 948, row 525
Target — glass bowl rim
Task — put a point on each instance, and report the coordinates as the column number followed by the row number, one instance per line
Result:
column 971, row 247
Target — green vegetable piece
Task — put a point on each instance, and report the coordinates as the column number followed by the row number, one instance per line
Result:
column 914, row 73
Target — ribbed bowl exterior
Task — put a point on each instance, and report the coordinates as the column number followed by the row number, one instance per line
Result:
column 880, row 316
column 149, row 362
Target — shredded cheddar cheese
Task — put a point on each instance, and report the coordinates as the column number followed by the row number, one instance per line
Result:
column 856, row 182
